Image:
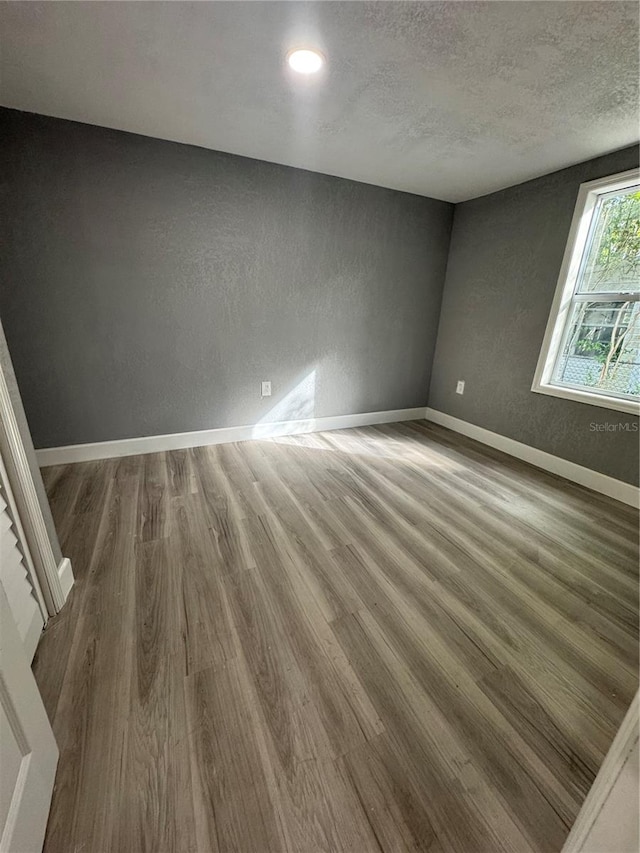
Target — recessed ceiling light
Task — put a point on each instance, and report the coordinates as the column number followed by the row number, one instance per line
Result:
column 305, row 61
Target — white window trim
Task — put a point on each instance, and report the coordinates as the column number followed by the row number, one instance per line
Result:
column 562, row 301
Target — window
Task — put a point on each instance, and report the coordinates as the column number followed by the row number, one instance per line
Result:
column 591, row 349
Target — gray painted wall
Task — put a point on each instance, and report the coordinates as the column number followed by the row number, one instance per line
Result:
column 148, row 287
column 505, row 256
column 16, row 402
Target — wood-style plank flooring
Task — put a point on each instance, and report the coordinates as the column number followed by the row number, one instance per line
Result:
column 385, row 639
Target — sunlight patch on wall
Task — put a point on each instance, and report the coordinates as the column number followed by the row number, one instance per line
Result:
column 297, row 405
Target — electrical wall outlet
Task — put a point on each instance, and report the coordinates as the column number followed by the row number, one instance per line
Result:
column 266, row 389
column 460, row 386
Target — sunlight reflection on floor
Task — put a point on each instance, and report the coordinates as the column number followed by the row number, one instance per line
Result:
column 350, row 441
column 292, row 421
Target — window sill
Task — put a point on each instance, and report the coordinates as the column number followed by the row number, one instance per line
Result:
column 613, row 403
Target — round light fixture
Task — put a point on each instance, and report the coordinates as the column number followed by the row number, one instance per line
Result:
column 305, row 61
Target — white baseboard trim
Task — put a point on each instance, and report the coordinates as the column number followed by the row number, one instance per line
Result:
column 65, row 573
column 180, row 440
column 609, row 486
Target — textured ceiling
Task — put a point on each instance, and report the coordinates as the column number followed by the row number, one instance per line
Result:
column 451, row 99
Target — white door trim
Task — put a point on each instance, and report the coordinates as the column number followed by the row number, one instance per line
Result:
column 54, row 587
column 25, row 723
column 22, row 539
column 604, row 787
column 41, row 614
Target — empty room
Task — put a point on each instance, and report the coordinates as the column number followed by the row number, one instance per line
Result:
column 319, row 426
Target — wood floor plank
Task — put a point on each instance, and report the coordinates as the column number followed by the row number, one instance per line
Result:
column 428, row 749
column 375, row 640
column 233, row 808
column 202, row 628
column 156, row 808
column 339, row 696
column 91, row 721
column 392, row 801
column 153, row 498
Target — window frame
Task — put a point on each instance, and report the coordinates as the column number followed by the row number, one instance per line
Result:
column 563, row 300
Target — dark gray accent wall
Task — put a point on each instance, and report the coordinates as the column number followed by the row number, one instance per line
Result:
column 148, row 287
column 505, row 256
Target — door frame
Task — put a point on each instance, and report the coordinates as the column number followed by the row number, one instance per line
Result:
column 26, row 723
column 26, row 553
column 54, row 581
column 605, row 783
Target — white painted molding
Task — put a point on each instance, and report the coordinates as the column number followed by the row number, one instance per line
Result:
column 175, row 441
column 610, row 810
column 609, row 486
column 65, row 575
column 24, row 545
column 181, row 440
column 29, row 511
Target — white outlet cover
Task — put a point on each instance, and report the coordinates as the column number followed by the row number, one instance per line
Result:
column 266, row 389
column 460, row 386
